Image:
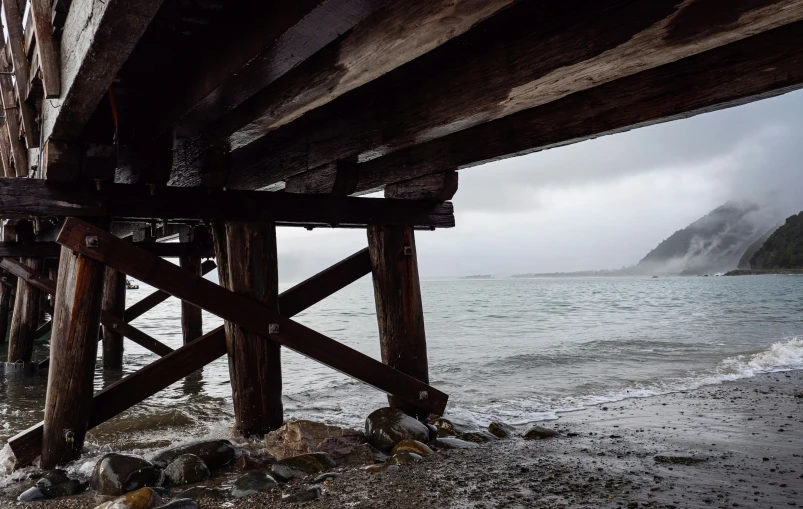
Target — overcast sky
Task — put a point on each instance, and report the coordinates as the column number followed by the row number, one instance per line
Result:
column 598, row 204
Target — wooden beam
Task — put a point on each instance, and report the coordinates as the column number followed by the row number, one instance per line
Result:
column 246, row 313
column 6, row 305
column 191, row 316
column 41, row 11
column 33, row 197
column 436, row 187
column 44, row 329
column 337, row 178
column 12, row 124
column 154, row 299
column 113, row 306
column 137, row 336
column 16, row 46
column 29, row 274
column 162, row 373
column 51, row 249
column 5, row 147
column 531, row 54
column 37, row 249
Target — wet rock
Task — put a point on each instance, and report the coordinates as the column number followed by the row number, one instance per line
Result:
column 162, row 491
column 445, row 427
column 181, row 503
column 303, row 437
column 404, row 458
column 53, row 484
column 679, row 460
column 143, row 498
column 253, row 482
column 31, row 494
column 433, row 432
column 539, row 433
column 186, row 469
column 501, row 430
column 325, row 477
column 388, row 426
column 116, row 474
column 296, row 467
column 303, row 496
column 380, row 468
column 478, row 437
column 250, row 461
column 363, row 454
column 214, row 453
column 413, row 446
column 197, row 492
column 453, row 443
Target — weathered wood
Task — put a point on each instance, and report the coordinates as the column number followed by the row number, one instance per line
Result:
column 337, row 178
column 399, row 311
column 25, row 250
column 41, row 331
column 154, row 299
column 137, row 336
column 12, row 124
column 114, row 305
column 51, row 249
column 41, row 11
column 27, row 197
column 16, row 46
column 531, row 54
column 5, row 147
column 251, row 269
column 191, row 319
column 6, row 305
column 158, row 375
column 247, row 313
column 26, row 311
column 30, row 273
column 436, row 187
column 73, row 350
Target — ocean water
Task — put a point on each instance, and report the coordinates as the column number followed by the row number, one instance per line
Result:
column 519, row 350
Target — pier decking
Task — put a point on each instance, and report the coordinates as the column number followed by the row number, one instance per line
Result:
column 133, row 122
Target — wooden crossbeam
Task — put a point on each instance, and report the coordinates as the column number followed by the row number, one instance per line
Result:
column 16, row 41
column 134, row 334
column 12, row 127
column 32, row 197
column 48, row 59
column 154, row 299
column 31, row 276
column 52, row 250
column 174, row 366
column 117, row 254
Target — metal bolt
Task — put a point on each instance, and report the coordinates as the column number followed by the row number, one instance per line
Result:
column 92, row 241
column 423, row 395
column 69, row 436
column 273, row 328
column 408, row 250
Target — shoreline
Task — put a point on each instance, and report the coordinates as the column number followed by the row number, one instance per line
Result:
column 761, row 272
column 747, row 435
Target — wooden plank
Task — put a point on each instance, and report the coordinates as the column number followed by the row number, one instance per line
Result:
column 531, row 54
column 160, row 374
column 113, row 305
column 191, row 317
column 33, row 197
column 247, row 313
column 338, row 178
column 16, row 46
column 5, row 147
column 12, row 125
column 41, row 11
column 30, row 274
column 51, row 249
column 137, row 336
column 37, row 249
column 44, row 329
column 436, row 187
column 154, row 299
column 6, row 305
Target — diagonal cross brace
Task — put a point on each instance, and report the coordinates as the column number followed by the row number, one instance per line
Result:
column 174, row 366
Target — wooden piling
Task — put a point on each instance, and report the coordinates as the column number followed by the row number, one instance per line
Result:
column 397, row 293
column 25, row 318
column 191, row 320
column 247, row 265
column 73, row 349
column 6, row 303
column 114, row 304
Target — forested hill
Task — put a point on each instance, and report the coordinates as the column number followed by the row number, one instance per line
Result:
column 784, row 248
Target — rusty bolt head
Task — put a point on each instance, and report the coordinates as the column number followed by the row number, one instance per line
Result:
column 92, row 241
column 423, row 395
column 273, row 328
column 408, row 250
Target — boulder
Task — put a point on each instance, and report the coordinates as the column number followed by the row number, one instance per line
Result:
column 444, row 427
column 254, row 461
column 214, row 453
column 143, row 498
column 303, row 496
column 303, row 437
column 387, row 427
column 539, row 433
column 296, row 467
column 363, row 454
column 117, row 474
column 404, row 458
column 478, row 437
column 413, row 446
column 253, row 482
column 453, row 443
column 501, row 430
column 186, row 469
column 53, row 484
column 181, row 503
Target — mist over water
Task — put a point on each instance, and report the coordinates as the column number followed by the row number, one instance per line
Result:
column 518, row 350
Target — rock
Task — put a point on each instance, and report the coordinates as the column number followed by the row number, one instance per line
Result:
column 413, row 446
column 379, row 468
column 433, row 432
column 679, row 460
column 387, row 427
column 214, row 453
column 296, row 467
column 303, row 437
column 186, row 469
column 143, row 498
column 453, row 443
column 31, row 494
column 445, row 427
column 539, row 433
column 255, row 461
column 363, row 454
column 253, row 482
column 478, row 437
column 303, row 496
column 116, row 474
column 181, row 503
column 325, row 477
column 501, row 430
column 53, row 484
column 404, row 458
column 197, row 492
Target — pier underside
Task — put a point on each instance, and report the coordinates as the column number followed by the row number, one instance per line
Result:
column 130, row 123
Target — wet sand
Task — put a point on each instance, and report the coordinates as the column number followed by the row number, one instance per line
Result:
column 739, row 444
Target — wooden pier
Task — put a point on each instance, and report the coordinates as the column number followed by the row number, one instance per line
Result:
column 131, row 123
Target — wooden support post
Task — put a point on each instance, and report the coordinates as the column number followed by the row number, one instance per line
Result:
column 73, row 349
column 248, row 266
column 6, row 303
column 191, row 320
column 398, row 305
column 48, row 58
column 25, row 318
column 114, row 304
column 16, row 40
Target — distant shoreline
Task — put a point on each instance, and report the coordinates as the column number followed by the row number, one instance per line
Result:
column 762, row 272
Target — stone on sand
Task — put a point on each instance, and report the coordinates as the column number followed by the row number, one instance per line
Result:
column 303, row 496
column 296, row 467
column 303, row 437
column 143, row 498
column 413, row 446
column 116, row 474
column 404, row 458
column 186, row 469
column 452, row 443
column 539, row 433
column 501, row 430
column 253, row 482
column 387, row 427
column 214, row 453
